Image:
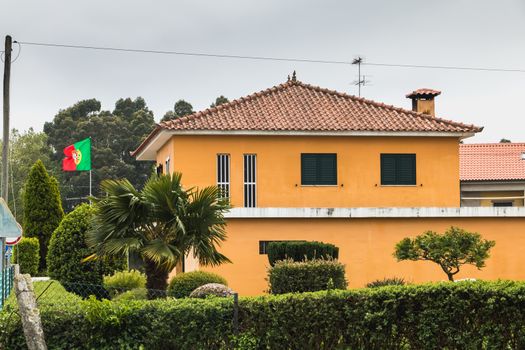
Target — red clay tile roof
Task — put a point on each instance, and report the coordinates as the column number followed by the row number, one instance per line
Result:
column 423, row 92
column 295, row 106
column 492, row 161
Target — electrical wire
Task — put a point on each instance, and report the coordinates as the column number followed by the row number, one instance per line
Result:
column 269, row 58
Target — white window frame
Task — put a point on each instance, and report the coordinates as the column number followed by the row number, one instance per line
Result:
column 224, row 175
column 250, row 180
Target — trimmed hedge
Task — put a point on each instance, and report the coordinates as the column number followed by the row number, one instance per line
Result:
column 68, row 248
column 27, row 254
column 182, row 285
column 288, row 276
column 300, row 251
column 463, row 315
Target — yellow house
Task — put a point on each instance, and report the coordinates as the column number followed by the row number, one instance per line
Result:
column 300, row 162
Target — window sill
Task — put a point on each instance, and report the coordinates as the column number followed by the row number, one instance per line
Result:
column 319, row 185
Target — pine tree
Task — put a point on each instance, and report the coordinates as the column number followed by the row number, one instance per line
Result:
column 42, row 208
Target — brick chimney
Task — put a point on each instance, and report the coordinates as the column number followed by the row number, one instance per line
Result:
column 423, row 100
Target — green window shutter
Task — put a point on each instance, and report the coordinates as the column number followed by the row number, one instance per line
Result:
column 318, row 169
column 388, row 169
column 398, row 169
column 406, row 169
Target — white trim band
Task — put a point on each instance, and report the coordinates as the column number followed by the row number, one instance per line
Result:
column 341, row 213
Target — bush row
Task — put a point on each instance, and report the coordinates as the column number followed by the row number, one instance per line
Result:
column 288, row 276
column 465, row 315
column 301, row 250
column 27, row 254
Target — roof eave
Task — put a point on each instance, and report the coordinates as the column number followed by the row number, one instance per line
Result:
column 148, row 149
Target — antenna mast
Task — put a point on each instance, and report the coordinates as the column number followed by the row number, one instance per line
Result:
column 361, row 80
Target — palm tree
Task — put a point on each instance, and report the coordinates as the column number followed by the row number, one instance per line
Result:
column 163, row 223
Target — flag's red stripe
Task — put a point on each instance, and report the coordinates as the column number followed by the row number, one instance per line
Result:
column 68, row 164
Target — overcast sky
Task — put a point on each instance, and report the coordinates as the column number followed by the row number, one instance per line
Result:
column 475, row 33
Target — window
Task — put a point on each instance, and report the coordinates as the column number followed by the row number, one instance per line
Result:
column 318, row 169
column 250, row 172
column 398, row 169
column 168, row 163
column 223, row 175
column 503, row 204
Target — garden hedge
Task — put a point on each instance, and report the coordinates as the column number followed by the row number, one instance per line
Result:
column 27, row 254
column 68, row 248
column 288, row 276
column 464, row 315
column 300, row 251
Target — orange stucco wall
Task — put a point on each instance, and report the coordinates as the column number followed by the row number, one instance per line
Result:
column 366, row 247
column 358, row 163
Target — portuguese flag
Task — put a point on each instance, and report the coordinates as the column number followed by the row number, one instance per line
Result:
column 78, row 156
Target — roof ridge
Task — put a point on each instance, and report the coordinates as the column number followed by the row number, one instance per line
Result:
column 390, row 107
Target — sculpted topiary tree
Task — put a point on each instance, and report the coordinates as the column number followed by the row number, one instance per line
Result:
column 42, row 208
column 451, row 250
column 68, row 248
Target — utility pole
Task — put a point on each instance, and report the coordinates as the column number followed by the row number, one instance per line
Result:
column 5, row 144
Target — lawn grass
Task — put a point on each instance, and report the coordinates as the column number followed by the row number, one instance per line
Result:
column 47, row 293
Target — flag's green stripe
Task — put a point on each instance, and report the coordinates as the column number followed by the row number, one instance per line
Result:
column 84, row 147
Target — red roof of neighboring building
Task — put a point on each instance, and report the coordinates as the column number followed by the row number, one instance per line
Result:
column 295, row 106
column 419, row 92
column 492, row 161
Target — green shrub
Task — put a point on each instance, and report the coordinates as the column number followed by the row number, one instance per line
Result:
column 473, row 315
column 300, row 251
column 133, row 294
column 122, row 281
column 288, row 276
column 42, row 208
column 27, row 254
column 394, row 281
column 215, row 289
column 67, row 250
column 182, row 285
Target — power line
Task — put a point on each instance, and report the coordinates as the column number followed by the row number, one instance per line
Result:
column 180, row 53
column 445, row 67
column 269, row 58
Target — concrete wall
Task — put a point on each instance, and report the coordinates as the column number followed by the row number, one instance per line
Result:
column 358, row 158
column 366, row 247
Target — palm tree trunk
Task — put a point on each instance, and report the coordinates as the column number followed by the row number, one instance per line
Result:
column 156, row 279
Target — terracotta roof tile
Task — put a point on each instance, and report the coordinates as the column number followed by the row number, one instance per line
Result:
column 295, row 106
column 423, row 92
column 492, row 161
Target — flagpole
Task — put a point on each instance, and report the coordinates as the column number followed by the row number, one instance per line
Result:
column 90, row 182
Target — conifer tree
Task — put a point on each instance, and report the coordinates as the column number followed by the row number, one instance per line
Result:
column 42, row 208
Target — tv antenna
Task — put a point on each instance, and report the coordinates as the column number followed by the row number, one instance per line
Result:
column 361, row 79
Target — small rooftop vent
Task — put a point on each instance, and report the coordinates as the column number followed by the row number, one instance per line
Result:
column 522, row 155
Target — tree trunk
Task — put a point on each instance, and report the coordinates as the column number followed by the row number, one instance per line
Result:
column 156, row 279
column 450, row 277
